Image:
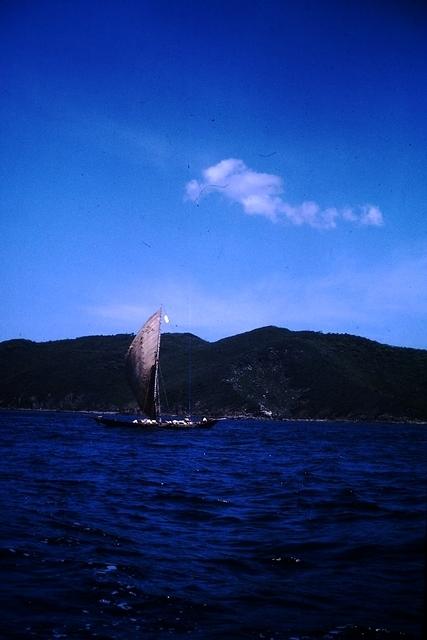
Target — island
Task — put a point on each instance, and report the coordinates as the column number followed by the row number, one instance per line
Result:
column 269, row 372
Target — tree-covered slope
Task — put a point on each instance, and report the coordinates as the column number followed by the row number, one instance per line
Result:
column 261, row 372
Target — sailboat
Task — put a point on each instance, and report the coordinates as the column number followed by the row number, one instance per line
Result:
column 142, row 372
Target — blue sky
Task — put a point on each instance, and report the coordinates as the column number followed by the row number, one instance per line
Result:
column 243, row 164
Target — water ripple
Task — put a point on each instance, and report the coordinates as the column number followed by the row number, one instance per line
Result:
column 300, row 530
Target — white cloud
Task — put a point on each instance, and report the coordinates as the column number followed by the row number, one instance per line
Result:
column 261, row 194
column 371, row 216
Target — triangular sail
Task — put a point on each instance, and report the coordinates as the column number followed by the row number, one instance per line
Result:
column 142, row 366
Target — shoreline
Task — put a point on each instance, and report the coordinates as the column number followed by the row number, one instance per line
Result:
column 93, row 412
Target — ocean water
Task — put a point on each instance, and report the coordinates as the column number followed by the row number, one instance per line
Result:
column 247, row 530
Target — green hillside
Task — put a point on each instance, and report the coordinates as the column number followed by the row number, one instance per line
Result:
column 268, row 371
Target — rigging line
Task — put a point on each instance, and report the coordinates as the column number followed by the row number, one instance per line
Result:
column 189, row 374
column 162, row 387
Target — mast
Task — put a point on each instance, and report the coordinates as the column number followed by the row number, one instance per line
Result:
column 156, row 379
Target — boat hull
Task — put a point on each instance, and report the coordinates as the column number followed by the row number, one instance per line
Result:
column 151, row 424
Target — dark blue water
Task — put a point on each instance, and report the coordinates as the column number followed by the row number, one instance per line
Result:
column 246, row 530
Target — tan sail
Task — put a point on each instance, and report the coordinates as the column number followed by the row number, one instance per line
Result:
column 142, row 366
